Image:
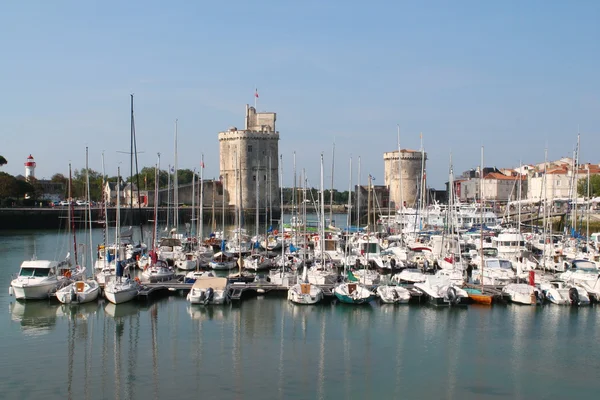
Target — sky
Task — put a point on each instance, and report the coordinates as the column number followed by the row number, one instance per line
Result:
column 514, row 77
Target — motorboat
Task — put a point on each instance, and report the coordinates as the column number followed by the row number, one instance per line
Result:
column 522, row 293
column 209, row 290
column 558, row 292
column 353, row 293
column 409, row 275
column 36, row 280
column 393, row 294
column 305, row 293
column 79, row 292
column 158, row 272
column 496, row 271
column 584, row 274
column 442, row 292
column 121, row 290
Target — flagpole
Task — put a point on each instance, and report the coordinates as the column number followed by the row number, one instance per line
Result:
column 255, row 98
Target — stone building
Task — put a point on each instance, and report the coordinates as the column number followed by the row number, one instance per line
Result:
column 249, row 158
column 411, row 163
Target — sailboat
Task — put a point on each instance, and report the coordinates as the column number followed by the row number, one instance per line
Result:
column 304, row 292
column 158, row 270
column 352, row 291
column 81, row 291
column 120, row 289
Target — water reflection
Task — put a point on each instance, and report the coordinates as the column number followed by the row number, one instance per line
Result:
column 36, row 317
column 271, row 348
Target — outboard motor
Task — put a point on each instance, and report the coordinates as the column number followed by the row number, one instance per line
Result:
column 210, row 294
column 452, row 295
column 574, row 296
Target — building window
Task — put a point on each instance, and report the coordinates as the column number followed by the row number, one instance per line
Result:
column 254, row 177
column 249, row 148
column 558, row 182
column 265, row 177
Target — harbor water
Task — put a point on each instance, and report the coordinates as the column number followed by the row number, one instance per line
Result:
column 267, row 348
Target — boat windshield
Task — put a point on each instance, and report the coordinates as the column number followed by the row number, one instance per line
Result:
column 34, row 272
column 490, row 252
column 499, row 264
column 585, row 266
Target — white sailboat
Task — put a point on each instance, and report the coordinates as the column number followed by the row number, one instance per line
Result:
column 83, row 291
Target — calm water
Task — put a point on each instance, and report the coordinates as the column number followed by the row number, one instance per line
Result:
column 269, row 349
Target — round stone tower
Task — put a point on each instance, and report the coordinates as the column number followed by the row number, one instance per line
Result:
column 254, row 151
column 411, row 162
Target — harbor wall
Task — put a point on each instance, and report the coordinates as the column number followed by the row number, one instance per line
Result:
column 55, row 218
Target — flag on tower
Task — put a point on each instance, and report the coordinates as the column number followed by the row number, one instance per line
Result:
column 256, row 93
column 202, row 164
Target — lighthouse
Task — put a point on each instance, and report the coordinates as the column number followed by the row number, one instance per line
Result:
column 29, row 168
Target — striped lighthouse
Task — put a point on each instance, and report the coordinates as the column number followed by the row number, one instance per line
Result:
column 29, row 168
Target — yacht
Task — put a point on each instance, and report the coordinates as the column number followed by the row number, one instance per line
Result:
column 36, row 280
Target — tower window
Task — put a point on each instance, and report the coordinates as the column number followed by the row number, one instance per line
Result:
column 265, row 177
column 254, row 177
column 249, row 148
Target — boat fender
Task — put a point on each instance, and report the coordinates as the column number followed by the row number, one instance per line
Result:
column 574, row 296
column 452, row 295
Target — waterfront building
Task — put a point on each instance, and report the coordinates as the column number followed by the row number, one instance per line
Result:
column 558, row 181
column 251, row 154
column 412, row 164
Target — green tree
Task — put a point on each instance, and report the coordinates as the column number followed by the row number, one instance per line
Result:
column 582, row 186
column 80, row 184
column 8, row 186
column 146, row 178
column 3, row 161
column 60, row 178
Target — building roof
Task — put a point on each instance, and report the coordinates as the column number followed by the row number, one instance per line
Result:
column 502, row 177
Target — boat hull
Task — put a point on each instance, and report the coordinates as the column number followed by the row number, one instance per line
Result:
column 25, row 291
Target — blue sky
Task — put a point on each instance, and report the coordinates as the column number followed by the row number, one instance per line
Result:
column 512, row 76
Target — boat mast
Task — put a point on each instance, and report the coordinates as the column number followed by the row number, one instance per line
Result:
column 545, row 191
column 201, row 211
column 72, row 215
column 89, row 206
column 137, row 174
column 587, row 229
column 322, row 215
column 156, row 186
column 281, row 215
column 104, row 210
column 482, row 263
column 168, row 194
column 331, row 192
column 118, row 215
column 176, row 187
column 257, row 215
column 192, row 230
column 358, row 196
column 400, row 189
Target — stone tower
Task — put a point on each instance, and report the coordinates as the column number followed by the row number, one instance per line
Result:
column 411, row 175
column 254, row 149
